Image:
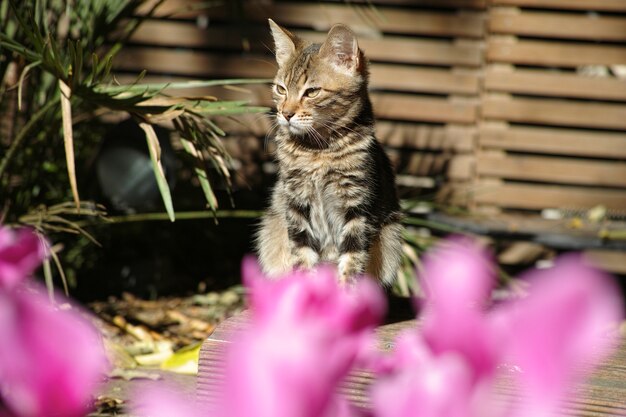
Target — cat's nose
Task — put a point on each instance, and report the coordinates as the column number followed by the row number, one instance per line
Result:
column 287, row 115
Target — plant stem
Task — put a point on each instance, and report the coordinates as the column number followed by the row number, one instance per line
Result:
column 19, row 138
column 185, row 215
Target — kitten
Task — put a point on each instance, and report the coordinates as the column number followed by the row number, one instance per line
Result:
column 335, row 199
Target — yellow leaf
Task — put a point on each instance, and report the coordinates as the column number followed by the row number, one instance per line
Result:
column 184, row 361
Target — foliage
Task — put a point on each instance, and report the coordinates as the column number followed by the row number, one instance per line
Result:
column 51, row 359
column 56, row 78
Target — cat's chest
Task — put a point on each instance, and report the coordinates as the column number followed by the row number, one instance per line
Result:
column 326, row 218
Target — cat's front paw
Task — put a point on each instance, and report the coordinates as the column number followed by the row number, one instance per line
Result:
column 305, row 258
column 351, row 265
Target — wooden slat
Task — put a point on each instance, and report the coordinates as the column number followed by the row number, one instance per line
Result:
column 415, row 108
column 537, row 197
column 430, row 164
column 469, row 4
column 602, row 394
column 554, row 141
column 322, row 16
column 257, row 39
column 186, row 34
column 553, row 53
column 555, row 84
column 553, row 169
column 194, row 63
column 556, row 112
column 557, row 25
column 414, row 51
column 416, row 79
column 607, row 5
column 611, row 261
column 425, row 137
column 193, row 8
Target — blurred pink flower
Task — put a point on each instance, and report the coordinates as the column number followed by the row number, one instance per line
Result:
column 50, row 359
column 21, row 252
column 306, row 333
column 448, row 368
column 423, row 385
column 161, row 400
column 458, row 277
column 561, row 330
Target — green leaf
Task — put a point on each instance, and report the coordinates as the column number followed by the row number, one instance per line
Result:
column 155, row 156
column 182, row 85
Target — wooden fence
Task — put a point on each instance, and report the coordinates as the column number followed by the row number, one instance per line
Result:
column 494, row 105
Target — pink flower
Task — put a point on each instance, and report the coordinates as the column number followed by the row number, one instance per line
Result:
column 161, row 400
column 458, row 277
column 50, row 359
column 306, row 333
column 561, row 329
column 424, row 385
column 448, row 369
column 21, row 252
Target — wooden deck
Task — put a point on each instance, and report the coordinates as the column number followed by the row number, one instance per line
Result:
column 604, row 394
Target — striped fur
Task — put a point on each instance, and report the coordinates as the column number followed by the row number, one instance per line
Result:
column 335, row 199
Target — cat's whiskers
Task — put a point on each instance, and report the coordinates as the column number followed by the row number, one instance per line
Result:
column 315, row 135
column 270, row 132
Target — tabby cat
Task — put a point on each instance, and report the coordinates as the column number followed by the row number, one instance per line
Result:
column 335, row 199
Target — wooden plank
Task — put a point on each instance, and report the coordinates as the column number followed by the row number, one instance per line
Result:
column 554, row 141
column 538, row 197
column 468, row 4
column 414, row 50
column 192, row 8
column 553, row 53
column 416, row 79
column 365, row 18
column 183, row 62
column 431, row 164
column 611, row 261
column 426, row 137
column 606, row 5
column 557, row 25
column 600, row 395
column 186, row 34
column 555, row 112
column 415, row 108
column 245, row 39
column 553, row 169
column 555, row 84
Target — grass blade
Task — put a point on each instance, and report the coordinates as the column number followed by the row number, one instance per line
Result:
column 181, row 85
column 57, row 262
column 68, row 139
column 155, row 156
column 21, row 82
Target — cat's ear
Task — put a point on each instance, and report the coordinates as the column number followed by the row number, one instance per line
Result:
column 285, row 42
column 341, row 48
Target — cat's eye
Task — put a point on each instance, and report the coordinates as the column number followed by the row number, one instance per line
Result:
column 312, row 92
column 281, row 90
